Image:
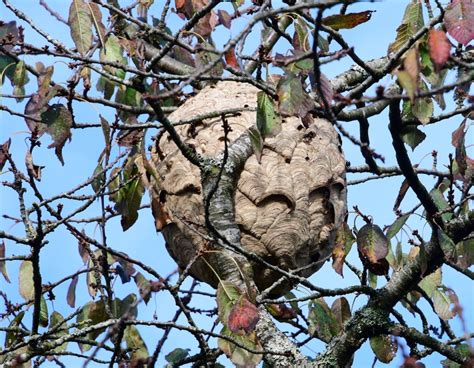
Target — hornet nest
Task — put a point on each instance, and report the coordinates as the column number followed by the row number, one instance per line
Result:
column 288, row 206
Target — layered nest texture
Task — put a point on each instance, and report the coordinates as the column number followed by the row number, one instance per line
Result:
column 288, row 205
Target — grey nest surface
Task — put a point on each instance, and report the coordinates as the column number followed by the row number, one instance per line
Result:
column 288, row 205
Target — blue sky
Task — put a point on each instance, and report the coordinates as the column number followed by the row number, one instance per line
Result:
column 60, row 257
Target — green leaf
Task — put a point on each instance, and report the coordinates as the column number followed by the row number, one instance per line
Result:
column 347, row 21
column 113, row 53
column 44, row 82
column 227, row 296
column 384, row 348
column 99, row 173
column 92, row 313
column 423, row 108
column 431, row 282
column 44, row 316
column 441, row 203
column 268, row 121
column 7, row 63
column 3, row 264
column 96, row 17
column 446, row 243
column 126, row 306
column 204, row 58
column 412, row 22
column 59, row 121
column 106, row 86
column 19, row 91
column 128, row 202
column 239, row 356
column 322, row 322
column 127, row 96
column 7, row 67
column 80, row 22
column 135, row 343
column 106, row 131
column 57, row 324
column 292, row 98
column 372, row 277
column 412, row 136
column 114, row 184
column 13, row 337
column 409, row 84
column 20, row 77
column 442, row 304
column 294, row 304
column 300, row 37
column 92, row 279
column 396, row 226
column 465, row 253
column 144, row 286
column 257, row 142
column 464, row 350
column 400, row 256
column 177, row 355
column 26, row 285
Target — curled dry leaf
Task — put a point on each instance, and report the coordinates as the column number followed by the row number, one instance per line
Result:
column 347, row 21
column 33, row 170
column 3, row 264
column 71, row 292
column 4, row 152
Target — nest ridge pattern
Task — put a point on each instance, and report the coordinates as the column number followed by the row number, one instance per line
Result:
column 287, row 206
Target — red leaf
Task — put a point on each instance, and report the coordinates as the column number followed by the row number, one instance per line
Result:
column 179, row 5
column 459, row 20
column 243, row 317
column 439, row 47
column 230, row 59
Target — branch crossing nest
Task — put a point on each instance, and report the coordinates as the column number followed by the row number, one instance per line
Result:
column 287, row 206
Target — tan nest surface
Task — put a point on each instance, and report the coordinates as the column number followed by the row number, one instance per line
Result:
column 287, row 207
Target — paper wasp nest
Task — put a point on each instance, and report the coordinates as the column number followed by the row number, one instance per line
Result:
column 287, row 207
